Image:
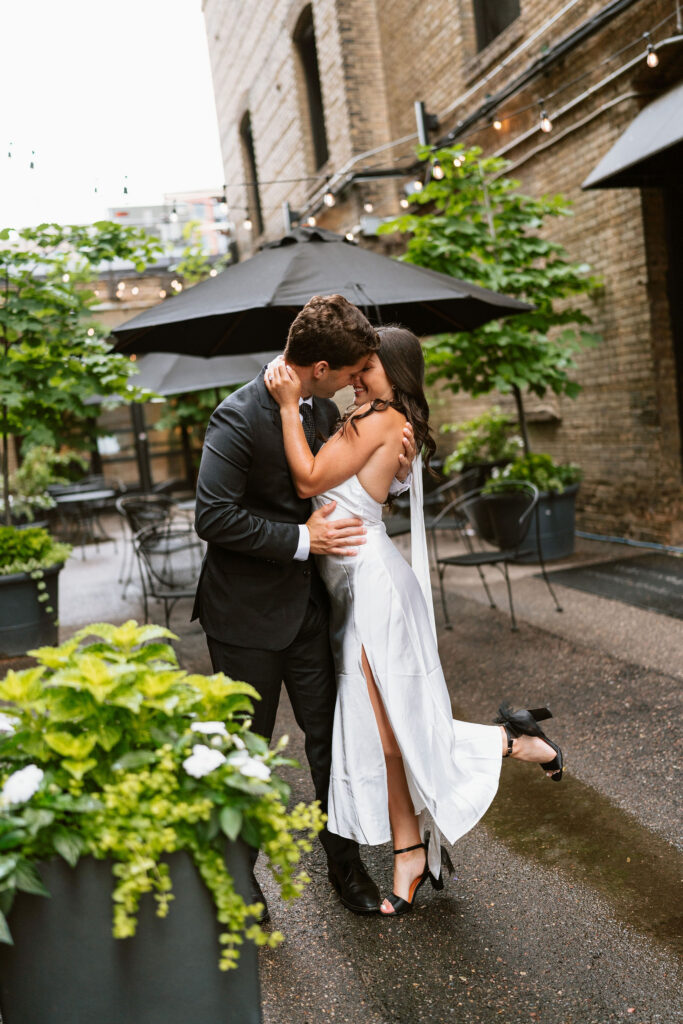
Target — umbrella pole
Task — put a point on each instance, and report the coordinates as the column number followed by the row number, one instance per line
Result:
column 137, row 415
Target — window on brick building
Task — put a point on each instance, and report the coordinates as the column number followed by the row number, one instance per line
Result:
column 304, row 41
column 491, row 17
column 251, row 171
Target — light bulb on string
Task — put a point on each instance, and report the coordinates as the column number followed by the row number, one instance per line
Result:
column 368, row 207
column 349, row 236
column 417, row 185
column 437, row 170
column 329, row 199
column 651, row 58
column 213, row 272
column 545, row 123
column 135, row 290
column 404, row 204
column 247, row 224
column 32, row 165
column 311, row 221
column 497, row 123
column 65, row 278
column 223, row 207
column 457, row 162
column 9, row 150
column 173, row 216
column 162, row 293
column 91, row 332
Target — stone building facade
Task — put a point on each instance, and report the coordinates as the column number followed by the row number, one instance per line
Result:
column 473, row 62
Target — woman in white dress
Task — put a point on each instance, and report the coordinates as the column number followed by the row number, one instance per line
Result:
column 397, row 753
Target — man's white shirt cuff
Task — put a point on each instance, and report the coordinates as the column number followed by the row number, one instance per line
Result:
column 304, row 548
column 398, row 488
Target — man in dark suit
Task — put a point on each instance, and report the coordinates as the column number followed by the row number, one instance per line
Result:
column 260, row 599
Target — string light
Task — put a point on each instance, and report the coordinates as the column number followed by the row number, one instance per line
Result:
column 223, row 207
column 176, row 285
column 350, row 237
column 162, row 295
column 9, row 150
column 91, row 332
column 32, row 164
column 404, row 204
column 546, row 123
column 437, row 170
column 134, row 357
column 368, row 207
column 125, row 184
column 174, row 213
column 416, row 186
column 329, row 199
column 651, row 59
column 247, row 224
column 457, row 161
column 65, row 278
column 311, row 222
column 213, row 272
column 497, row 123
column 121, row 286
column 135, row 290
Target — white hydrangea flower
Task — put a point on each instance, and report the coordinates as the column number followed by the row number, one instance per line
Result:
column 202, row 761
column 249, row 766
column 7, row 724
column 21, row 786
column 238, row 742
column 210, row 728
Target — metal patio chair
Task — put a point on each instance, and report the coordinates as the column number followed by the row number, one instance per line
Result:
column 499, row 521
column 169, row 557
column 137, row 512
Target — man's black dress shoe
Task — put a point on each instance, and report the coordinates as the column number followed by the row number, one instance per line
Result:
column 356, row 889
column 256, row 896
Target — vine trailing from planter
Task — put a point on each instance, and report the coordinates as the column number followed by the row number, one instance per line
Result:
column 109, row 749
column 476, row 225
column 31, row 551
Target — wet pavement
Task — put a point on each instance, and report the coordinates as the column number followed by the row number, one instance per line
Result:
column 565, row 907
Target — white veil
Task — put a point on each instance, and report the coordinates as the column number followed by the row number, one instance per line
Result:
column 419, row 556
column 419, row 559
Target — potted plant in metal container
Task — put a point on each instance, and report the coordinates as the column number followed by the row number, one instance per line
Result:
column 42, row 466
column 558, row 484
column 30, row 563
column 127, row 783
column 484, row 443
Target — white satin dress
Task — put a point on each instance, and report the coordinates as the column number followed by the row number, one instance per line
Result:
column 377, row 603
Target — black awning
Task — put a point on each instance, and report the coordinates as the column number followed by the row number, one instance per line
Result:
column 650, row 152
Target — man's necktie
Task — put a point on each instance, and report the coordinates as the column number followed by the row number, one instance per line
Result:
column 308, row 423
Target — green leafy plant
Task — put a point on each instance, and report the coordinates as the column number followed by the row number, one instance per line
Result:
column 55, row 358
column 490, row 437
column 539, row 470
column 476, row 225
column 42, row 465
column 109, row 749
column 29, row 550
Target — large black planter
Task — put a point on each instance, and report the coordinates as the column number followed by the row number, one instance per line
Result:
column 556, row 513
column 66, row 968
column 24, row 620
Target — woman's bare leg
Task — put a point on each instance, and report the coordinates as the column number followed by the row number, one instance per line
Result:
column 402, row 817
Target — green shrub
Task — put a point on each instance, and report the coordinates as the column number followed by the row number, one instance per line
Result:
column 490, row 437
column 29, row 550
column 539, row 470
column 109, row 749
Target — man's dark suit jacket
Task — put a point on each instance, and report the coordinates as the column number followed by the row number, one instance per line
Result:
column 251, row 592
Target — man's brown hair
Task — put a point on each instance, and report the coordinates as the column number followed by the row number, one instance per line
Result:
column 330, row 328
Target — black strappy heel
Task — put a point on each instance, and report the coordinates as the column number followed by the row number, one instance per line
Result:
column 525, row 723
column 402, row 906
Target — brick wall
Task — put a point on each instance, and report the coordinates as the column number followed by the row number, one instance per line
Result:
column 376, row 58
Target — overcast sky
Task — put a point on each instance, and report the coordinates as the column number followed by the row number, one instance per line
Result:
column 100, row 90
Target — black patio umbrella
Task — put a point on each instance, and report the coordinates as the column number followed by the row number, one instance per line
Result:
column 249, row 307
column 167, row 373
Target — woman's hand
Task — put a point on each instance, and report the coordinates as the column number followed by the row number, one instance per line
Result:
column 283, row 384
